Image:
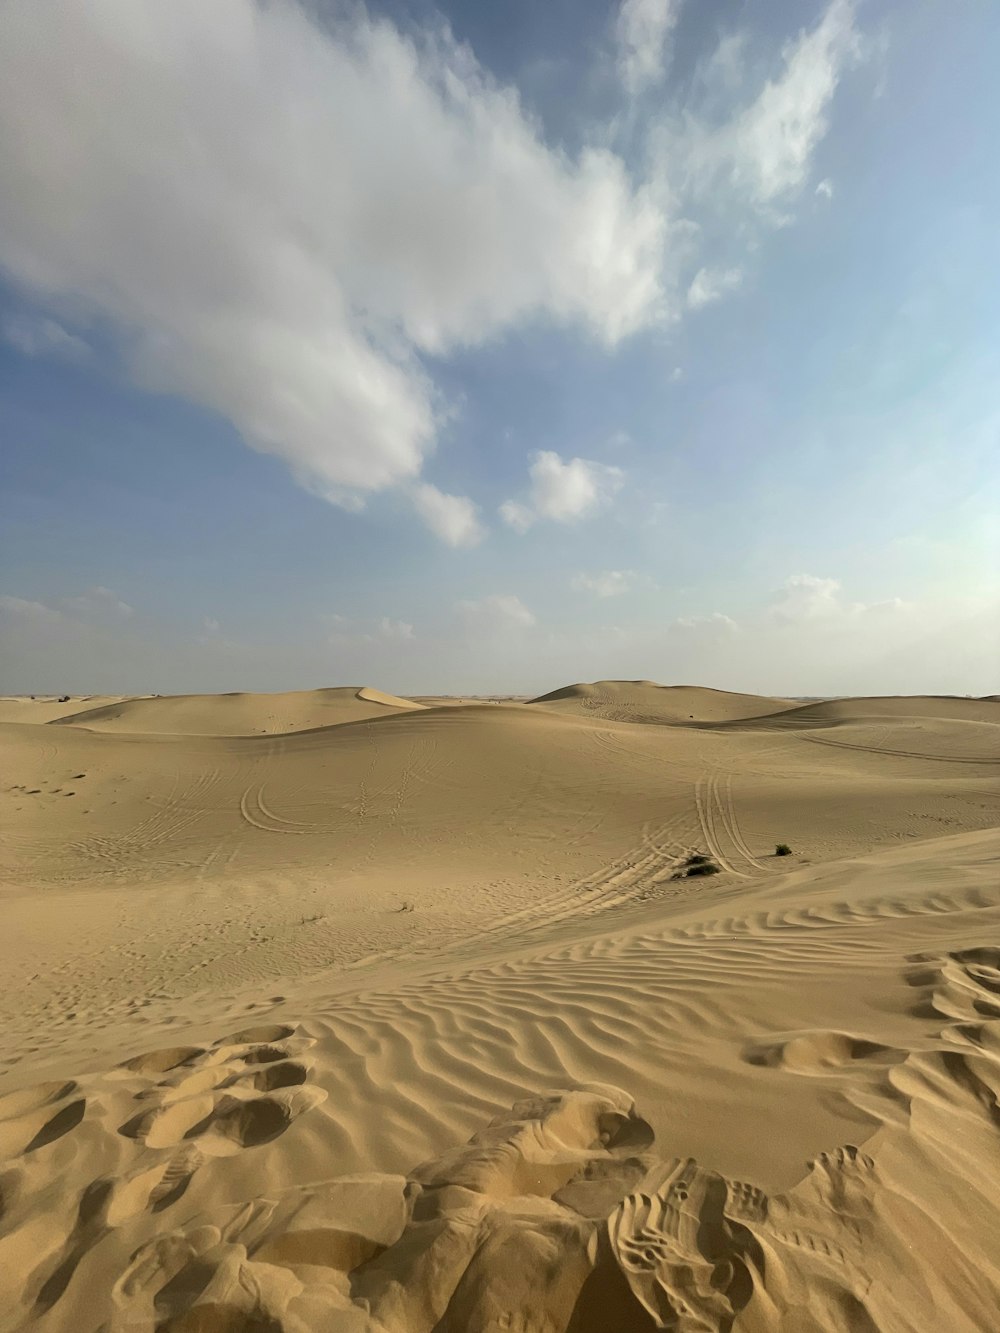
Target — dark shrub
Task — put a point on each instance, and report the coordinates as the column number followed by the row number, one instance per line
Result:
column 703, row 867
column 782, row 849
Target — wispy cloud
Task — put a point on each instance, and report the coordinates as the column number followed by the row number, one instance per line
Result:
column 772, row 143
column 97, row 603
column 100, row 601
column 351, row 632
column 611, row 583
column 495, row 613
column 711, row 285
column 24, row 608
column 715, row 623
column 36, row 335
column 811, row 598
column 642, row 32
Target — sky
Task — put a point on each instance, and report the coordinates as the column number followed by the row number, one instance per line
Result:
column 486, row 348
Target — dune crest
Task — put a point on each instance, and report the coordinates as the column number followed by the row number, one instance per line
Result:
column 237, row 714
column 645, row 701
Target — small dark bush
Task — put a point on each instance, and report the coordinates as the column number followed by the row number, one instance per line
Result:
column 697, row 859
column 704, row 867
column 782, row 849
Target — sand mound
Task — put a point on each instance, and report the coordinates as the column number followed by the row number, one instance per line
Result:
column 49, row 708
column 645, row 701
column 238, row 714
column 837, row 712
column 374, row 696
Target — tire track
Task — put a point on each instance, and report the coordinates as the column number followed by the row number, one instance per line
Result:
column 620, row 880
column 256, row 820
column 903, row 754
column 728, row 808
column 706, row 803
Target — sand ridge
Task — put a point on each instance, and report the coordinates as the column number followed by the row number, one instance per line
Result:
column 238, row 714
column 415, row 1021
column 645, row 701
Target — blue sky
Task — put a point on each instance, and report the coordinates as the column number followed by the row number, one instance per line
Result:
column 486, row 348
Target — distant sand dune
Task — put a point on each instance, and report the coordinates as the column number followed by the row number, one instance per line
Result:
column 46, row 708
column 412, row 1020
column 239, row 714
column 645, row 701
column 837, row 712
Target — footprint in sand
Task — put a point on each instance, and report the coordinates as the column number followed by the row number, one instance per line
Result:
column 216, row 1103
column 29, row 1120
column 685, row 1260
column 287, row 1074
column 24, row 1100
column 263, row 1035
column 820, row 1053
column 162, row 1061
column 156, row 1188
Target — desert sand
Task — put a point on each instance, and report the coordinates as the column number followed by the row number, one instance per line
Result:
column 337, row 1010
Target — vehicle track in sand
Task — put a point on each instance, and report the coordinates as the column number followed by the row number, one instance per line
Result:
column 720, row 825
column 988, row 760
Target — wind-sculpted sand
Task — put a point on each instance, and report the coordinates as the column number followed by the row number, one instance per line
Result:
column 415, row 1020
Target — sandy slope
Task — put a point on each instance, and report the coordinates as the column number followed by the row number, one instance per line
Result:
column 645, row 701
column 49, row 708
column 239, row 714
column 241, row 968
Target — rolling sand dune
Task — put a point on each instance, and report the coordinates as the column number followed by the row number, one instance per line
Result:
column 416, row 1021
column 645, row 701
column 238, row 714
column 46, row 708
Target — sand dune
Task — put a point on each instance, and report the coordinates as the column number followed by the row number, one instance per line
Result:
column 837, row 712
column 48, row 708
column 417, row 1022
column 238, row 714
column 645, row 701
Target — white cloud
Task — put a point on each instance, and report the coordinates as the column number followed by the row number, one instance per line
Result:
column 775, row 138
column 24, row 609
column 210, row 625
column 563, row 491
column 453, row 518
column 711, row 285
column 497, row 612
column 39, row 336
column 517, row 515
column 94, row 604
column 281, row 214
column 641, row 33
column 398, row 630
column 612, row 583
column 348, row 632
column 716, row 623
column 721, row 153
column 808, row 598
column 676, row 375
column 825, row 189
column 100, row 601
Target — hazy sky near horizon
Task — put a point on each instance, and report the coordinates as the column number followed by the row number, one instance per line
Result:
column 490, row 347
